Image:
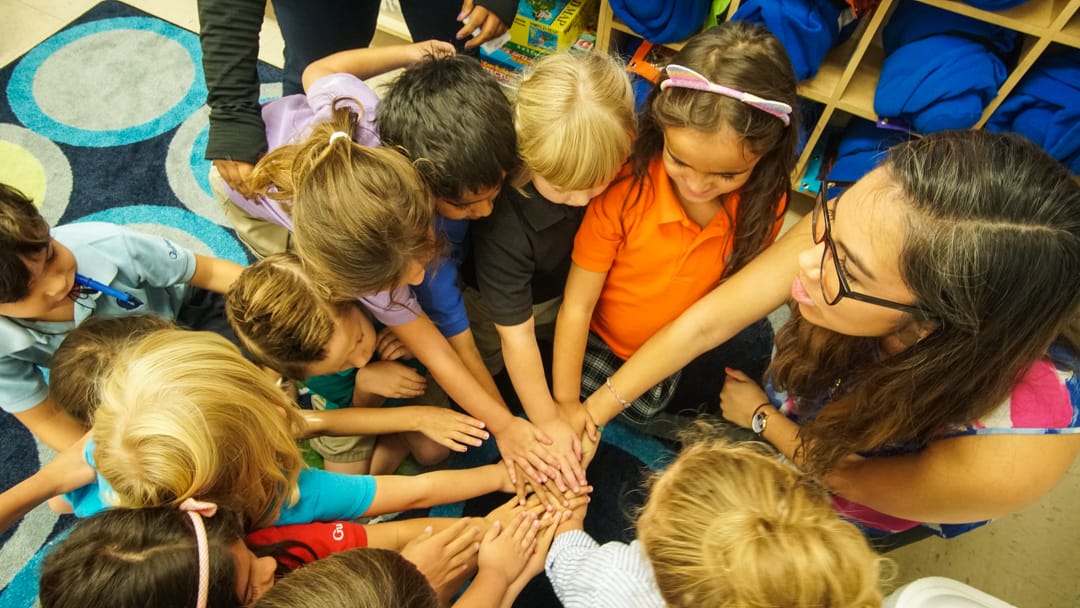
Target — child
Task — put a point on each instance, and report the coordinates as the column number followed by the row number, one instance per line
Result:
column 90, row 348
column 184, row 415
column 363, row 224
column 371, row 578
column 706, row 191
column 724, row 525
column 287, row 323
column 45, row 293
column 260, row 214
column 574, row 116
column 151, row 556
column 451, row 117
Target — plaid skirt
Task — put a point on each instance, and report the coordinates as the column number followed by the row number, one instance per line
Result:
column 600, row 363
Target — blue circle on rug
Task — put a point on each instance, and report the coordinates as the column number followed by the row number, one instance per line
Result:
column 100, row 47
column 223, row 244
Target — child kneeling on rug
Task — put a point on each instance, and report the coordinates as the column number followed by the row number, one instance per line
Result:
column 289, row 324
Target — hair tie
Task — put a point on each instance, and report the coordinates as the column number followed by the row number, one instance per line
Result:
column 196, row 510
column 337, row 135
column 682, row 77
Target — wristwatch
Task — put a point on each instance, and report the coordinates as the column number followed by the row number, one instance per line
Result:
column 760, row 419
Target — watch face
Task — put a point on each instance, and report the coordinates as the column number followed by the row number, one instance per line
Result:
column 757, row 423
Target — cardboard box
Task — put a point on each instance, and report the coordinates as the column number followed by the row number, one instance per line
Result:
column 551, row 30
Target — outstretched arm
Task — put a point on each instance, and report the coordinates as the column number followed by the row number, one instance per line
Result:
column 367, row 62
column 446, row 427
column 748, row 295
column 583, row 289
column 401, row 492
column 64, row 473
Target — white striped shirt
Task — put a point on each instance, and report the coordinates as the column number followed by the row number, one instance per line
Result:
column 587, row 574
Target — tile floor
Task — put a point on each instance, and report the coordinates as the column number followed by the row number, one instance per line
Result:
column 1028, row 558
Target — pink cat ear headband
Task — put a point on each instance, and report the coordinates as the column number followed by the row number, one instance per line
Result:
column 682, row 77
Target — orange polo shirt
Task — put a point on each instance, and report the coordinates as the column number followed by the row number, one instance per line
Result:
column 658, row 261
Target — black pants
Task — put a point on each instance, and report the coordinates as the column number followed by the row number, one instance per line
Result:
column 316, row 28
column 205, row 311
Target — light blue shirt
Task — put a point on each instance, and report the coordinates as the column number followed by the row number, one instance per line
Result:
column 151, row 268
column 323, row 496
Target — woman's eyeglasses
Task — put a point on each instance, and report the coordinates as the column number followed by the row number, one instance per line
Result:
column 837, row 287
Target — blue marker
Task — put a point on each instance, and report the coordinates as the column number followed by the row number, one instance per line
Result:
column 123, row 299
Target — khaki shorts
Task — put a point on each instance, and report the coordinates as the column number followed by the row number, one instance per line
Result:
column 357, row 448
column 487, row 337
column 262, row 237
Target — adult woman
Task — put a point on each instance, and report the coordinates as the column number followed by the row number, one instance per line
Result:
column 929, row 365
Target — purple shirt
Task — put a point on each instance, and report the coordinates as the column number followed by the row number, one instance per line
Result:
column 288, row 121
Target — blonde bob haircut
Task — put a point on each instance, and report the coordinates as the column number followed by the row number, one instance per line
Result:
column 183, row 415
column 574, row 116
column 281, row 315
column 729, row 525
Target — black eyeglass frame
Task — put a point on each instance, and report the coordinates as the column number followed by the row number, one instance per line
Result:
column 845, row 291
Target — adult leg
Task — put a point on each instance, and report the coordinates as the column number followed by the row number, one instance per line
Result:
column 433, row 20
column 316, row 28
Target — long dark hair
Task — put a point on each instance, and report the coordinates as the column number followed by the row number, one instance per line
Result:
column 746, row 57
column 991, row 253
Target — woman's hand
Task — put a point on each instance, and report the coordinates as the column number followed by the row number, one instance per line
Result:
column 451, row 429
column 479, row 21
column 390, row 347
column 739, row 397
column 390, row 379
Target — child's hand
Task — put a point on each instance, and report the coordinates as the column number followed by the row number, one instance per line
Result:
column 433, row 49
column 548, row 525
column 390, row 379
column 505, row 551
column 505, row 512
column 579, row 419
column 449, row 428
column 521, row 443
column 566, row 449
column 390, row 347
column 446, row 558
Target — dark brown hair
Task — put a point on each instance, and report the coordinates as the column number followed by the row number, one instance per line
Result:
column 992, row 245
column 746, row 57
column 23, row 233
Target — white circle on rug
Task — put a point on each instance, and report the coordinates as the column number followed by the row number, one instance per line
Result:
column 187, row 168
column 109, row 82
column 37, row 167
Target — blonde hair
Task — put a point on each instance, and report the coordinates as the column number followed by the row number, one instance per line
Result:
column 360, row 578
column 183, row 415
column 361, row 215
column 730, row 525
column 574, row 116
column 81, row 359
column 281, row 316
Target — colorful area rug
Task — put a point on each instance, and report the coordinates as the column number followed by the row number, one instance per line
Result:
column 106, row 121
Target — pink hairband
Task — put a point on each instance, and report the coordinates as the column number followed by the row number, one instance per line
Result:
column 682, row 77
column 197, row 510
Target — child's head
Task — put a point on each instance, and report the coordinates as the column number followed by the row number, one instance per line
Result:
column 37, row 273
column 731, row 525
column 453, row 119
column 289, row 323
column 574, row 116
column 713, row 144
column 362, row 216
column 128, row 558
column 183, row 415
column 360, row 578
column 80, row 361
